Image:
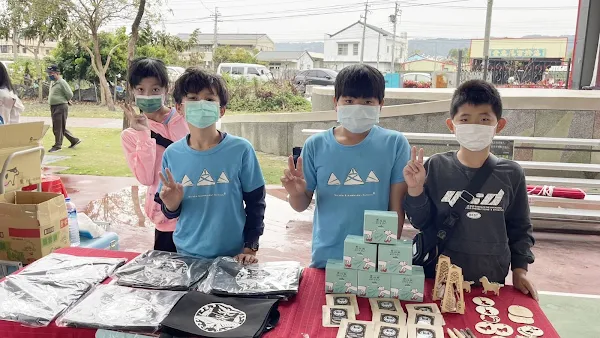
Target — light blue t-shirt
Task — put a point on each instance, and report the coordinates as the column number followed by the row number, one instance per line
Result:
column 348, row 180
column 212, row 217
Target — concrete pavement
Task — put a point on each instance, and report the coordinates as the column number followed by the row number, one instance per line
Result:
column 80, row 122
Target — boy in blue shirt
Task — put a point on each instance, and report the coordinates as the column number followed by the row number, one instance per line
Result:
column 354, row 167
column 209, row 176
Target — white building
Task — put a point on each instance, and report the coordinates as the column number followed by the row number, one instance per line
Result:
column 344, row 47
column 283, row 60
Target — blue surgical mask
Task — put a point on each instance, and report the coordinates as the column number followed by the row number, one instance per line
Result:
column 357, row 118
column 201, row 114
column 149, row 104
column 51, row 77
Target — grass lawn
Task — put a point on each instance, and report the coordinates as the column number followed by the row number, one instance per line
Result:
column 91, row 110
column 101, row 154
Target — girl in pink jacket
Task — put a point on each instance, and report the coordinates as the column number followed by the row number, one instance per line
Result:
column 147, row 137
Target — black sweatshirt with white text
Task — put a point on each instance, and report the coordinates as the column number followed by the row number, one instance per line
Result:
column 494, row 231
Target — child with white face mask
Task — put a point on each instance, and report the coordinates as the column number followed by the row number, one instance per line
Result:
column 493, row 232
column 150, row 132
column 211, row 180
column 353, row 167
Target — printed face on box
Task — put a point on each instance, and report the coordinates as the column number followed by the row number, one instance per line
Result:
column 337, row 315
column 385, row 305
column 424, row 319
column 342, row 301
column 388, row 332
column 389, row 319
column 424, row 308
column 356, row 331
column 425, row 333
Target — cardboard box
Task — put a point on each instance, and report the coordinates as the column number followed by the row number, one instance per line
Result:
column 339, row 279
column 408, row 287
column 22, row 170
column 380, row 227
column 32, row 225
column 359, row 255
column 396, row 258
column 373, row 284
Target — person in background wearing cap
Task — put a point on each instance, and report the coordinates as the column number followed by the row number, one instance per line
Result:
column 59, row 99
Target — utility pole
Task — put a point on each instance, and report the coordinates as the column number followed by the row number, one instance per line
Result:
column 378, row 48
column 362, row 49
column 394, row 19
column 215, row 42
column 486, row 41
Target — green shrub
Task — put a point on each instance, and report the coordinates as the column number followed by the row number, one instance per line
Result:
column 258, row 96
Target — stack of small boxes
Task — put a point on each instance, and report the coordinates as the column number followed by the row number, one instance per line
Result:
column 377, row 265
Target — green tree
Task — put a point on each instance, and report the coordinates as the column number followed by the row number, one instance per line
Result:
column 237, row 55
column 453, row 53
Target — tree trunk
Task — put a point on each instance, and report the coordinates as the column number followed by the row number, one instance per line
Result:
column 100, row 70
column 135, row 29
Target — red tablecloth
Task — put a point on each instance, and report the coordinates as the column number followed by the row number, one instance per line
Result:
column 50, row 183
column 303, row 314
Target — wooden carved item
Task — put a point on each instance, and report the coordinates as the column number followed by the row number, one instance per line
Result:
column 488, row 286
column 454, row 300
column 441, row 275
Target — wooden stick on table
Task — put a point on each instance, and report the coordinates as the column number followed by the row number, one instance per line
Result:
column 451, row 334
column 458, row 334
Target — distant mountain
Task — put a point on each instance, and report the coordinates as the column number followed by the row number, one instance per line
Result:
column 441, row 47
column 316, row 47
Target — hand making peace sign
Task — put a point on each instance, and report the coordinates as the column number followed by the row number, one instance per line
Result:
column 138, row 122
column 172, row 192
column 293, row 177
column 414, row 171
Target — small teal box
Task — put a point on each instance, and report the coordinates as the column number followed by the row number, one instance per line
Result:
column 396, row 259
column 408, row 287
column 359, row 255
column 339, row 279
column 380, row 227
column 373, row 284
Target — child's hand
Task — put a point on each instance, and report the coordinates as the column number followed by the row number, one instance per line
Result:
column 138, row 122
column 172, row 192
column 521, row 282
column 293, row 178
column 246, row 259
column 414, row 172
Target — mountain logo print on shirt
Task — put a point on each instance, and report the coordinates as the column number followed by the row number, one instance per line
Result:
column 372, row 178
column 205, row 179
column 353, row 178
column 219, row 317
column 186, row 182
column 333, row 180
column 223, row 178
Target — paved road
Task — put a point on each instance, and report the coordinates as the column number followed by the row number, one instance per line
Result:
column 78, row 122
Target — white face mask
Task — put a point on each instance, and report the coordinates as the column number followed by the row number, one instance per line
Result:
column 358, row 118
column 474, row 137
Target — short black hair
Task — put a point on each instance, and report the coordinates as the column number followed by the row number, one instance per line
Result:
column 360, row 81
column 142, row 68
column 4, row 78
column 194, row 80
column 476, row 92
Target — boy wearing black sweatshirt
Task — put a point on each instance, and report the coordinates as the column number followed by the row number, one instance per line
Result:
column 494, row 231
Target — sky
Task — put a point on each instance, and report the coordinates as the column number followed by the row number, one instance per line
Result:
column 310, row 20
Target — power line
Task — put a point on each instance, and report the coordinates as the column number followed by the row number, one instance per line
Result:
column 203, row 5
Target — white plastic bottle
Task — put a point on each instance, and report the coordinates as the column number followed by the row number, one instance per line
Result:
column 73, row 225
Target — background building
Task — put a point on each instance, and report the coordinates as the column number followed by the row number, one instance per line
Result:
column 250, row 42
column 418, row 63
column 344, row 47
column 278, row 60
column 25, row 49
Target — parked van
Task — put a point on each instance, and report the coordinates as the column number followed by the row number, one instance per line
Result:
column 248, row 70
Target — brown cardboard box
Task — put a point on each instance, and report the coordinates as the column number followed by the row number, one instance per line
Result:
column 23, row 170
column 32, row 225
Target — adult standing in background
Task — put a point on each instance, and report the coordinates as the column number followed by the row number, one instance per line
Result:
column 10, row 105
column 59, row 100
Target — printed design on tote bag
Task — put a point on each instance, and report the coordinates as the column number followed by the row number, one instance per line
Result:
column 138, row 309
column 251, row 279
column 219, row 317
column 166, row 268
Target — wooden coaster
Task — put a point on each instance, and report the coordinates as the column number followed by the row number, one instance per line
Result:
column 520, row 320
column 521, row 311
column 342, row 300
column 483, row 301
column 530, row 331
column 485, row 328
column 490, row 319
column 487, row 310
column 504, row 330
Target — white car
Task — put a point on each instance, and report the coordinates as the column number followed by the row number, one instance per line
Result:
column 245, row 70
column 417, row 77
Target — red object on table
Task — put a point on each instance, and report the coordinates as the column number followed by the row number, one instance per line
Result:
column 550, row 191
column 302, row 315
column 50, row 183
